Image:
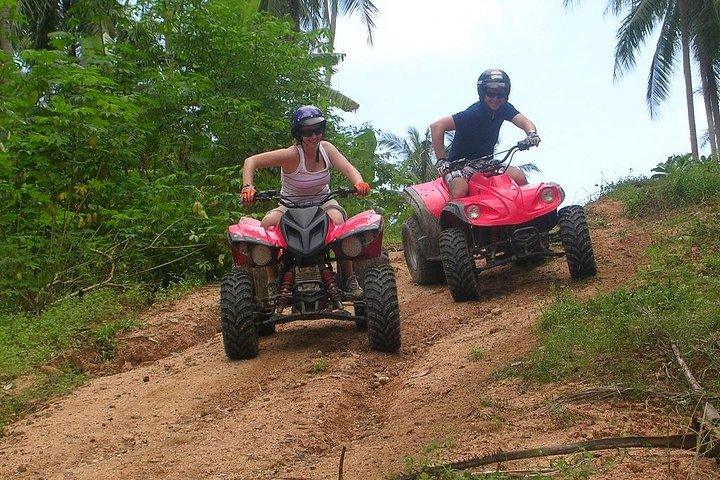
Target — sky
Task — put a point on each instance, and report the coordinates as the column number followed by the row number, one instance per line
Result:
column 427, row 55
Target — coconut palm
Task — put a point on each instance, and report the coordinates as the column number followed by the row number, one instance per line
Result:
column 641, row 19
column 414, row 152
column 323, row 14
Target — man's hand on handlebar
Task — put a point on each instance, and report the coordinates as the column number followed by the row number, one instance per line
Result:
column 532, row 140
column 443, row 166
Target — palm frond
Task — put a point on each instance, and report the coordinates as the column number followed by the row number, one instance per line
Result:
column 634, row 30
column 663, row 61
column 394, row 144
column 341, row 101
column 367, row 11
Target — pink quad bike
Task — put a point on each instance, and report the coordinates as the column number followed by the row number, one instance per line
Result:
column 302, row 248
column 499, row 222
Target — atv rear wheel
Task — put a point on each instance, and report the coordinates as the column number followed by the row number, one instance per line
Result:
column 575, row 237
column 422, row 270
column 458, row 264
column 381, row 307
column 237, row 316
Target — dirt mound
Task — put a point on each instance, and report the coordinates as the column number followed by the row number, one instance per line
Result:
column 186, row 411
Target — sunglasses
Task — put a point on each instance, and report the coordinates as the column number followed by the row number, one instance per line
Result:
column 312, row 131
column 496, row 94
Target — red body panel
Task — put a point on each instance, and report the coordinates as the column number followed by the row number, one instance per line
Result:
column 501, row 200
column 250, row 230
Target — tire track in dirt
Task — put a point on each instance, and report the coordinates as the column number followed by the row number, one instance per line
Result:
column 194, row 414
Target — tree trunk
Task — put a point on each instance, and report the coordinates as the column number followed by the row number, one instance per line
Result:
column 683, row 7
column 331, row 19
column 713, row 91
column 705, row 73
column 5, row 31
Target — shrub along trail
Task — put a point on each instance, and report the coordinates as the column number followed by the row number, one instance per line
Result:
column 180, row 409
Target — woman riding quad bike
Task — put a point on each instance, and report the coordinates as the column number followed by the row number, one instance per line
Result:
column 499, row 222
column 286, row 261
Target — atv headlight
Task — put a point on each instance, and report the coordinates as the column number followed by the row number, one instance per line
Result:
column 472, row 211
column 261, row 255
column 351, row 246
column 547, row 194
column 368, row 236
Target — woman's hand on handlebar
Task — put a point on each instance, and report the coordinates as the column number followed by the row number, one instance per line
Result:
column 362, row 189
column 248, row 194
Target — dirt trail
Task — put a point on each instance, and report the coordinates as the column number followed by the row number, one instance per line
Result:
column 182, row 410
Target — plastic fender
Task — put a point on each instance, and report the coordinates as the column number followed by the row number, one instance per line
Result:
column 250, row 230
column 432, row 195
column 361, row 221
column 427, row 201
column 501, row 202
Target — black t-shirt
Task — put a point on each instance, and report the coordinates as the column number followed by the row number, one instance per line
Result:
column 477, row 130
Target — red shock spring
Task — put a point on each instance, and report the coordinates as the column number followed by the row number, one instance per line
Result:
column 328, row 277
column 286, row 287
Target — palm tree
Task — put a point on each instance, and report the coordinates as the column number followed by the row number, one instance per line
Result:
column 323, row 14
column 641, row 18
column 706, row 27
column 5, row 43
column 413, row 151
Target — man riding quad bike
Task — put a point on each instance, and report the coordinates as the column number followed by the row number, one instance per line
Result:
column 303, row 247
column 497, row 223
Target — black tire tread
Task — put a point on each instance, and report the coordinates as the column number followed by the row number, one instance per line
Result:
column 382, row 309
column 459, row 266
column 575, row 237
column 237, row 316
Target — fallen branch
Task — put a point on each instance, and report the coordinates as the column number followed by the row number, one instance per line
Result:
column 683, row 442
column 708, row 431
column 342, row 461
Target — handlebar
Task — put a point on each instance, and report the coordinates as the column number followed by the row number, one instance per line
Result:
column 489, row 164
column 295, row 201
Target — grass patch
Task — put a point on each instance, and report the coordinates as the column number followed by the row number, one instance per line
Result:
column 624, row 334
column 180, row 288
column 29, row 341
column 680, row 182
column 476, row 353
column 320, row 365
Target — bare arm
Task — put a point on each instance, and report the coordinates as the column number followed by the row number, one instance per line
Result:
column 276, row 158
column 341, row 163
column 437, row 133
column 522, row 122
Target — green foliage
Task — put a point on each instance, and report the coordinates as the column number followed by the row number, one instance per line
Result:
column 623, row 334
column 120, row 165
column 29, row 340
column 678, row 182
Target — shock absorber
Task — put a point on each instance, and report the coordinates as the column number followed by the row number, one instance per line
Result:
column 328, row 278
column 286, row 288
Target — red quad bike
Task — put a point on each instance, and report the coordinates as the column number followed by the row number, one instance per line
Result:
column 498, row 222
column 303, row 247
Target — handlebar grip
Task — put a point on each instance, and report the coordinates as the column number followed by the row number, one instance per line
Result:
column 523, row 145
column 346, row 192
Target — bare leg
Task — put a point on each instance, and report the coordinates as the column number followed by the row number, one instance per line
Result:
column 517, row 175
column 458, row 187
column 271, row 219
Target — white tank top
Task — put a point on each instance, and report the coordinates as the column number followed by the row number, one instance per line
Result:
column 311, row 185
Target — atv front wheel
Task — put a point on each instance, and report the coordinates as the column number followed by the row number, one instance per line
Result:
column 458, row 264
column 237, row 316
column 381, row 308
column 575, row 237
column 422, row 270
